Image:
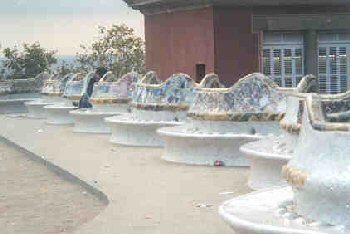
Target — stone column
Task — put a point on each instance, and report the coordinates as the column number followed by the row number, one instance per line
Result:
column 311, row 52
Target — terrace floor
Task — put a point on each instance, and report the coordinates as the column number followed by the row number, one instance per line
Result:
column 146, row 194
column 34, row 200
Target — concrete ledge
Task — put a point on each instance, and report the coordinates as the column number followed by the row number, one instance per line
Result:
column 66, row 175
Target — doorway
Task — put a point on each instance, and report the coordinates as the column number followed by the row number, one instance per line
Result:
column 200, row 72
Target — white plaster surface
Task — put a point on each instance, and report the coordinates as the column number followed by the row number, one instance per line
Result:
column 265, row 163
column 91, row 121
column 59, row 114
column 198, row 148
column 28, row 96
column 260, row 128
column 205, row 142
column 13, row 106
column 267, row 156
column 292, row 110
column 129, row 131
column 36, row 108
column 270, row 212
column 158, row 116
column 324, row 155
column 117, row 107
column 53, row 99
column 145, row 194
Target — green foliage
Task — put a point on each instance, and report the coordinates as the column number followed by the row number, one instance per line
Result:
column 28, row 62
column 65, row 68
column 117, row 48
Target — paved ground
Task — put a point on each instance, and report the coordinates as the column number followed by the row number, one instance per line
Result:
column 146, row 194
column 34, row 200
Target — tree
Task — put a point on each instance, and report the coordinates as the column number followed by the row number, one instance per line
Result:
column 117, row 48
column 65, row 68
column 29, row 62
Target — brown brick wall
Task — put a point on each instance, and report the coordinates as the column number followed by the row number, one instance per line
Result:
column 236, row 48
column 175, row 42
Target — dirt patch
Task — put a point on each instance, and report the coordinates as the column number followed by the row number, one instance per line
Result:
column 34, row 200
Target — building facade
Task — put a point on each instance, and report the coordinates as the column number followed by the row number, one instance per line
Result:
column 282, row 39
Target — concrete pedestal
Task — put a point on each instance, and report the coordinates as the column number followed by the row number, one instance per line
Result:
column 198, row 148
column 91, row 121
column 132, row 132
column 271, row 212
column 59, row 114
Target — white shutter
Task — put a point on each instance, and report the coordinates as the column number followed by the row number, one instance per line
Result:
column 333, row 62
column 283, row 58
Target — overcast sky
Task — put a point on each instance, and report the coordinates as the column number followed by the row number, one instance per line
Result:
column 61, row 24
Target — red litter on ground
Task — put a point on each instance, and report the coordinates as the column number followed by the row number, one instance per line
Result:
column 219, row 163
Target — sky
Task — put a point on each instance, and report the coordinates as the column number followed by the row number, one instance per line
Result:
column 62, row 25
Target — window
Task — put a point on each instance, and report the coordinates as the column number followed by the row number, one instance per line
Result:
column 200, row 72
column 333, row 62
column 283, row 58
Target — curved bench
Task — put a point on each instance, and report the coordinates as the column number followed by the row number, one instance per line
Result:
column 9, row 106
column 318, row 172
column 5, row 87
column 58, row 113
column 246, row 112
column 51, row 93
column 110, row 98
column 77, row 85
column 153, row 106
column 90, row 121
column 164, row 101
column 36, row 108
column 113, row 94
column 14, row 94
column 268, row 156
column 53, row 88
column 319, row 168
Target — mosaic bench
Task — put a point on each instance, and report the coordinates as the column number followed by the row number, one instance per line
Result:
column 267, row 156
column 113, row 94
column 110, row 98
column 5, row 87
column 51, row 93
column 77, row 85
column 317, row 201
column 222, row 119
column 154, row 104
column 164, row 101
column 15, row 94
column 58, row 113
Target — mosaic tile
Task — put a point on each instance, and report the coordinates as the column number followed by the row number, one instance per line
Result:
column 76, row 85
column 211, row 81
column 248, row 98
column 113, row 88
column 56, row 84
column 176, row 90
column 329, row 112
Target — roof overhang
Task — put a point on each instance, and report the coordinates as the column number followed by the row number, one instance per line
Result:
column 157, row 6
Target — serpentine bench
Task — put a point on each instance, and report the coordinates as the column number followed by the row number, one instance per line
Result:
column 15, row 93
column 268, row 156
column 113, row 94
column 317, row 200
column 77, row 85
column 58, row 113
column 222, row 119
column 154, row 104
column 110, row 98
column 51, row 93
